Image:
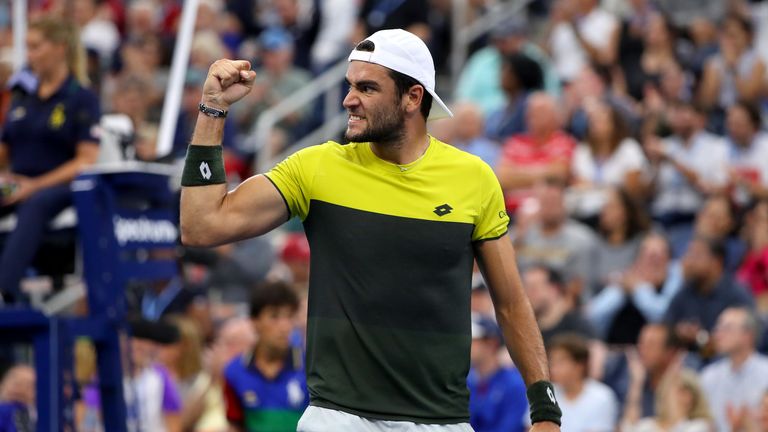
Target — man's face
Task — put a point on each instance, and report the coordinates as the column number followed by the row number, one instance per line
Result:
column 374, row 108
column 273, row 327
column 730, row 332
column 482, row 349
column 697, row 260
column 739, row 127
column 538, row 289
column 714, row 219
column 651, row 347
column 563, row 368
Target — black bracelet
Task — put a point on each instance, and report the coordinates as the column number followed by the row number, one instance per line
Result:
column 544, row 406
column 203, row 166
column 212, row 112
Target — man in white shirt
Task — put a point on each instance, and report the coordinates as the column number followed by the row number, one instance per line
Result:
column 581, row 34
column 736, row 384
column 588, row 405
column 748, row 153
column 686, row 165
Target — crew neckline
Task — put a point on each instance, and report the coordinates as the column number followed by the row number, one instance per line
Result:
column 399, row 168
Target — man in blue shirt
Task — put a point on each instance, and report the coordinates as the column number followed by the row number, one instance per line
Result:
column 497, row 401
column 265, row 390
column 708, row 291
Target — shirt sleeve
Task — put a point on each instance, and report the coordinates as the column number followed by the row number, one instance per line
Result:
column 171, row 396
column 233, row 406
column 492, row 220
column 87, row 116
column 293, row 178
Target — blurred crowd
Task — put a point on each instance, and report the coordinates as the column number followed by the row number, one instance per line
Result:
column 628, row 137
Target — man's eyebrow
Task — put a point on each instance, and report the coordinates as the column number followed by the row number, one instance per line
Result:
column 369, row 83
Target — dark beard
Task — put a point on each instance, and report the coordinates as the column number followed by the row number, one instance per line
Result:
column 388, row 128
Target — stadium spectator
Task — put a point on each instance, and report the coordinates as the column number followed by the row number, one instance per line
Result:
column 659, row 53
column 681, row 405
column 637, row 373
column 480, row 79
column 737, row 383
column 580, row 33
column 621, row 225
column 376, row 15
column 265, row 389
column 276, row 79
column 686, row 166
column 152, row 397
column 715, row 220
column 748, row 153
column 587, row 404
column 301, row 19
column 640, row 294
column 17, row 399
column 520, row 76
column 608, row 157
column 629, row 38
column 337, row 21
column 185, row 363
column 707, row 291
column 753, row 271
column 551, row 237
column 735, row 74
column 544, row 150
column 97, row 31
column 137, row 141
column 465, row 131
column 48, row 137
column 554, row 311
column 497, row 401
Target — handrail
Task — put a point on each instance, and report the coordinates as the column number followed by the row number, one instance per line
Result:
column 323, row 84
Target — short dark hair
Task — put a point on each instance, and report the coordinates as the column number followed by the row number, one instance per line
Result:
column 528, row 71
column 403, row 83
column 753, row 112
column 554, row 276
column 275, row 294
column 575, row 345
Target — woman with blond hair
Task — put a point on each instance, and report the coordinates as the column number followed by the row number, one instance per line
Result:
column 184, row 360
column 681, row 406
column 48, row 137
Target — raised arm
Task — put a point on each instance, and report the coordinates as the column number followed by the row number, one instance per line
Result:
column 209, row 214
column 515, row 316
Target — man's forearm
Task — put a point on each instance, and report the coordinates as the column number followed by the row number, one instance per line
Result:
column 524, row 340
column 198, row 203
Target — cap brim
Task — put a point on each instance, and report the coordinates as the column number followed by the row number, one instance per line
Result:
column 439, row 109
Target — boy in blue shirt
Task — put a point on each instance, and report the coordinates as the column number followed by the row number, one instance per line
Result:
column 265, row 390
column 497, row 401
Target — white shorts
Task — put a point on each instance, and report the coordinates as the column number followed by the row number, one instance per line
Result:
column 317, row 419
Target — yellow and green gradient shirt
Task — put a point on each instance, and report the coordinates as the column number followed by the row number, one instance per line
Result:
column 392, row 254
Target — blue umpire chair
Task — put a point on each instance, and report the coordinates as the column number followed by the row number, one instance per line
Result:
column 124, row 213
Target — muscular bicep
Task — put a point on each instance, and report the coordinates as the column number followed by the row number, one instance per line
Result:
column 255, row 207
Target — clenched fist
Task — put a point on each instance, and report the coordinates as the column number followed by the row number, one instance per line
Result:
column 227, row 82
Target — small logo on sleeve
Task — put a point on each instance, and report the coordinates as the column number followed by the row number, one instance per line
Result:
column 443, row 210
column 205, row 170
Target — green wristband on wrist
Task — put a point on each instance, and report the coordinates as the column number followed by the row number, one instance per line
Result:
column 203, row 166
column 544, row 406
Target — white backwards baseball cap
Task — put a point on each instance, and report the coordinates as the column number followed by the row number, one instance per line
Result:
column 406, row 53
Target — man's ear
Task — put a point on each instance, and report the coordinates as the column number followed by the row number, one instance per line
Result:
column 414, row 97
